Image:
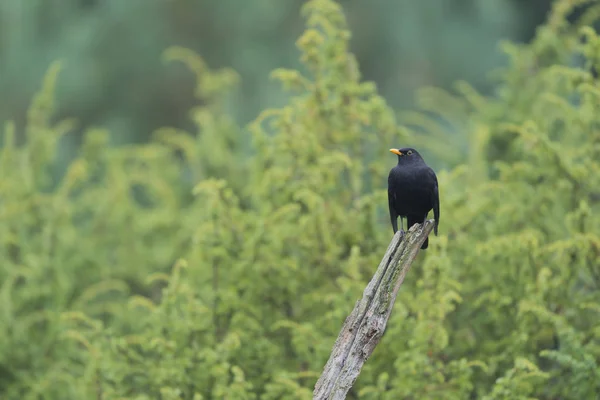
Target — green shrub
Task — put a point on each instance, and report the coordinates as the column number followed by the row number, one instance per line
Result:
column 199, row 267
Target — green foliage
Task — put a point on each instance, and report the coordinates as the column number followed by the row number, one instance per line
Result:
column 110, row 47
column 183, row 268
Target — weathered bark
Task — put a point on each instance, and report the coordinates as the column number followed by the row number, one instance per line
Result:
column 365, row 325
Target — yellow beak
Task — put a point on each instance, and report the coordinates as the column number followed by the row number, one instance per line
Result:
column 396, row 151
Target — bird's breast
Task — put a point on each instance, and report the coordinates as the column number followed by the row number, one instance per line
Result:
column 410, row 191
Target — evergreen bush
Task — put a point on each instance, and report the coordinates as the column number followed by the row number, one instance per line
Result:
column 198, row 267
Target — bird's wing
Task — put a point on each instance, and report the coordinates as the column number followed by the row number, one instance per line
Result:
column 393, row 215
column 435, row 201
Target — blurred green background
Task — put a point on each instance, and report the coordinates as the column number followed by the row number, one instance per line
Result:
column 113, row 76
column 217, row 255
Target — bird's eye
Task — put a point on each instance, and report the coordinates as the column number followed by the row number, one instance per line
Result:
column 409, row 152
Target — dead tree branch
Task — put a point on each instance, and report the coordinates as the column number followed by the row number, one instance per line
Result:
column 365, row 325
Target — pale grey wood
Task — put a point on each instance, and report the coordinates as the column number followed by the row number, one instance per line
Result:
column 365, row 325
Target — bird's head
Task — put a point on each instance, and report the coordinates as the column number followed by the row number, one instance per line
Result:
column 407, row 155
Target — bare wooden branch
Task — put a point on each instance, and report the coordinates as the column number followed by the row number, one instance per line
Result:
column 365, row 325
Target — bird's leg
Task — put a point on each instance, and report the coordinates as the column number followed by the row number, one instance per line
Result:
column 401, row 224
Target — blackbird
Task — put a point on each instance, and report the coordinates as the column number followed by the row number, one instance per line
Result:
column 412, row 191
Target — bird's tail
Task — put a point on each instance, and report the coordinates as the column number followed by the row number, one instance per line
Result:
column 417, row 220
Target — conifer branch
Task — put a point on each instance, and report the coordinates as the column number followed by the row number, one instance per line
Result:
column 365, row 325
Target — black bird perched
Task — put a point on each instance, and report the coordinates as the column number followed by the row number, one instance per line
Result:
column 412, row 191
